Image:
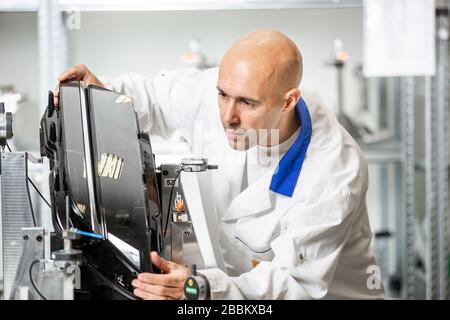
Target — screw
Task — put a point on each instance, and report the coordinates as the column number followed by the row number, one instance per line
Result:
column 39, row 238
column 25, row 237
column 165, row 173
column 302, row 258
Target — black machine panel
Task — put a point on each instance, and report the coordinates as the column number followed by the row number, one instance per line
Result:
column 124, row 169
column 101, row 160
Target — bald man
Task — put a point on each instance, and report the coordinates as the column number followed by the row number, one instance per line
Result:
column 290, row 188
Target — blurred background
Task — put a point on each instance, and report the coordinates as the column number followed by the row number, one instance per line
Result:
column 381, row 66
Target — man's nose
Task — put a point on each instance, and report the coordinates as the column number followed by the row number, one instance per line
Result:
column 230, row 114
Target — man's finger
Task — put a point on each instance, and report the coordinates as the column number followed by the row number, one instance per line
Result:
column 160, row 263
column 56, row 95
column 159, row 290
column 167, row 280
column 148, row 296
column 76, row 72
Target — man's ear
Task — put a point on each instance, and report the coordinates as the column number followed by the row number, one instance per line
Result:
column 291, row 97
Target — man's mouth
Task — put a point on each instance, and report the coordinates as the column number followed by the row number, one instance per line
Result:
column 234, row 133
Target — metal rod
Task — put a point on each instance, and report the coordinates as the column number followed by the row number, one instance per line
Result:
column 53, row 47
column 385, row 200
column 408, row 160
column 442, row 154
column 430, row 187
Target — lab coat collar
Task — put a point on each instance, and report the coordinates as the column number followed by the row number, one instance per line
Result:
column 258, row 198
column 286, row 174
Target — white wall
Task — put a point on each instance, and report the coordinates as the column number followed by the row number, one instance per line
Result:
column 19, row 66
column 146, row 42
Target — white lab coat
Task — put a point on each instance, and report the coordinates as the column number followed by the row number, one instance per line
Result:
column 315, row 244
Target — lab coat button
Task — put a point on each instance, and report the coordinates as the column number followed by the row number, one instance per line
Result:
column 302, row 258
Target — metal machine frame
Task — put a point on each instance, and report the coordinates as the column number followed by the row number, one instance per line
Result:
column 73, row 264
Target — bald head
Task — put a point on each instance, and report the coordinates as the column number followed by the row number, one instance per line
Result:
column 269, row 56
column 258, row 88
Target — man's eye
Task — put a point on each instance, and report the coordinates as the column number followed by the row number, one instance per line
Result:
column 245, row 102
column 221, row 94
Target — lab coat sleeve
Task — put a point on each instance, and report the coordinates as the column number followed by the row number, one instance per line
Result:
column 165, row 104
column 305, row 254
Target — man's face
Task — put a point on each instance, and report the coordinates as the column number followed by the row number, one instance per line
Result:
column 249, row 106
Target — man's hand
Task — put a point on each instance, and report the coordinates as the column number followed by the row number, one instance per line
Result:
column 166, row 286
column 79, row 72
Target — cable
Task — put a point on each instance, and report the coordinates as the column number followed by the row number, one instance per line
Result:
column 33, row 217
column 32, row 183
column 32, row 281
column 57, row 223
column 37, row 190
column 90, row 234
column 39, row 193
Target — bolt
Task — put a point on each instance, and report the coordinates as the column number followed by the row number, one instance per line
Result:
column 25, row 237
column 39, row 238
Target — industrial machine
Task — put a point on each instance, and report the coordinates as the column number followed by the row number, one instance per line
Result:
column 110, row 205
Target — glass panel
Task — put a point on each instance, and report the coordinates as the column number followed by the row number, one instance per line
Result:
column 119, row 171
column 74, row 148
